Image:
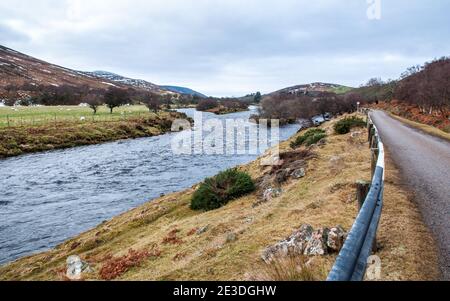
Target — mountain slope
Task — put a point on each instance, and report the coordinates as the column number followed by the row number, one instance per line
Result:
column 183, row 90
column 27, row 73
column 19, row 69
column 112, row 77
column 314, row 87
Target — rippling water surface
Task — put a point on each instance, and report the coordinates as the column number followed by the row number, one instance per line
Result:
column 47, row 198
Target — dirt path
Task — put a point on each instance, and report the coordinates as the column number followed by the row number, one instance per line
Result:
column 425, row 164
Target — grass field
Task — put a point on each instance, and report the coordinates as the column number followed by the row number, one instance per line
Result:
column 29, row 116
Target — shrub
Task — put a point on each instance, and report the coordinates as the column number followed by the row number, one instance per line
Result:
column 309, row 138
column 345, row 125
column 218, row 191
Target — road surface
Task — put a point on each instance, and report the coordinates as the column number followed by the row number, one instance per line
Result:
column 425, row 164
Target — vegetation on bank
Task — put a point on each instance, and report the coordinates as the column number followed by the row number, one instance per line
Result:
column 344, row 126
column 20, row 140
column 311, row 137
column 222, row 106
column 216, row 192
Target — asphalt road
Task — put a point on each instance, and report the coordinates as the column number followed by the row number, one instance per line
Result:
column 425, row 164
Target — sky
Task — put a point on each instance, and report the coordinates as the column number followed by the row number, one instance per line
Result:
column 231, row 47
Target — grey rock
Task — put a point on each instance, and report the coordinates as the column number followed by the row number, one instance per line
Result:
column 299, row 173
column 317, row 245
column 336, row 238
column 231, row 237
column 202, row 230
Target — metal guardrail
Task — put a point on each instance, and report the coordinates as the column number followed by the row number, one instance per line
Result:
column 351, row 263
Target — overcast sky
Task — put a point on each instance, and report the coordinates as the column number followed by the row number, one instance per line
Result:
column 230, row 47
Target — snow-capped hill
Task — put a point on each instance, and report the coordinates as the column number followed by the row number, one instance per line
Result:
column 137, row 83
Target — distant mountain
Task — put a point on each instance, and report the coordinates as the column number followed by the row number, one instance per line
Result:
column 315, row 87
column 136, row 83
column 183, row 90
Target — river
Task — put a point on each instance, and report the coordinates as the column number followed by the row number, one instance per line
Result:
column 47, row 198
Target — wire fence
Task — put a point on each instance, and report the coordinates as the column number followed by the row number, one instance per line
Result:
column 32, row 120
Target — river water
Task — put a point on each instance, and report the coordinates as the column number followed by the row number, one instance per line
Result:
column 47, row 198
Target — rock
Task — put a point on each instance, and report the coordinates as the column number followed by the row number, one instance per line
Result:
column 299, row 173
column 202, row 230
column 231, row 237
column 336, row 237
column 272, row 193
column 317, row 245
column 294, row 245
column 298, row 164
column 356, row 134
column 76, row 267
column 265, row 182
column 322, row 142
column 282, row 175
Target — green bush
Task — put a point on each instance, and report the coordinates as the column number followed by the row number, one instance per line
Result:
column 218, row 191
column 344, row 126
column 309, row 138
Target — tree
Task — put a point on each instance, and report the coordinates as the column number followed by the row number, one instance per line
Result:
column 153, row 102
column 258, row 97
column 116, row 97
column 168, row 101
column 207, row 104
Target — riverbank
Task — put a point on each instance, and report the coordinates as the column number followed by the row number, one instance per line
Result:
column 172, row 242
column 224, row 110
column 16, row 141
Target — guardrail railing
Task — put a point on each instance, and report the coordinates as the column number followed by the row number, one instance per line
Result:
column 351, row 263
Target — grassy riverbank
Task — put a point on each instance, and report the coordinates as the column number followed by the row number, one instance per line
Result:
column 65, row 134
column 173, row 242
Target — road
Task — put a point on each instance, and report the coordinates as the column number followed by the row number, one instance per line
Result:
column 425, row 164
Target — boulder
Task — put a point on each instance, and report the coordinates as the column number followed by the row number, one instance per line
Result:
column 76, row 267
column 299, row 173
column 294, row 245
column 335, row 240
column 307, row 242
column 202, row 230
column 283, row 175
column 271, row 193
column 317, row 245
column 231, row 237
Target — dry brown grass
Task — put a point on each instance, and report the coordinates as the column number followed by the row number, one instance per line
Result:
column 325, row 197
column 423, row 127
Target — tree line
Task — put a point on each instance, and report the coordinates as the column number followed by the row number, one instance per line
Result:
column 427, row 87
column 49, row 95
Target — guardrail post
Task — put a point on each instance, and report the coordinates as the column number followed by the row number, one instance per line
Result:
column 374, row 154
column 362, row 190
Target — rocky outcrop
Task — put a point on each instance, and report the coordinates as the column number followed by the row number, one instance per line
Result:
column 307, row 242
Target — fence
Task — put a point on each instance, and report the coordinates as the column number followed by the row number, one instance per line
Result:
column 56, row 119
column 351, row 263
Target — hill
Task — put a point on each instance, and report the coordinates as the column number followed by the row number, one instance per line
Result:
column 314, row 87
column 183, row 90
column 122, row 80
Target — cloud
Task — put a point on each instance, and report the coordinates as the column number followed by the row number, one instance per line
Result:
column 230, row 47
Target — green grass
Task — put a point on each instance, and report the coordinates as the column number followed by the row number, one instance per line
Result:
column 29, row 116
column 341, row 90
column 311, row 137
column 345, row 125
